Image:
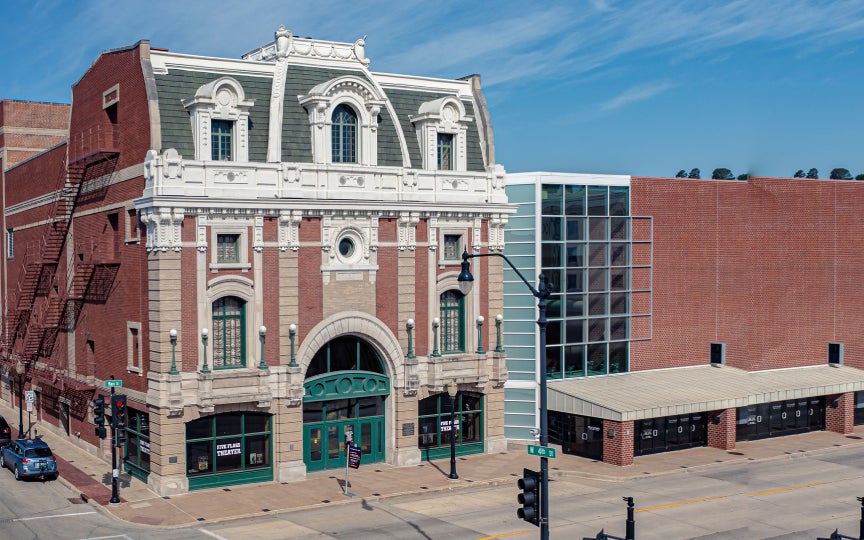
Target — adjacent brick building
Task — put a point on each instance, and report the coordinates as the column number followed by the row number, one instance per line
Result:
column 265, row 251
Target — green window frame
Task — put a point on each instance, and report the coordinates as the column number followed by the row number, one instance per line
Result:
column 345, row 353
column 136, row 457
column 227, row 248
column 221, row 140
column 344, row 134
column 229, row 333
column 452, row 247
column 434, row 429
column 452, row 322
column 228, row 443
column 445, row 152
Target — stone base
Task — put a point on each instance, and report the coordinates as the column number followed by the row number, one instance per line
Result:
column 167, row 486
column 403, row 457
column 495, row 445
column 291, row 471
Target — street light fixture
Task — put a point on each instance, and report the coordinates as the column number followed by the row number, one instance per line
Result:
column 19, row 369
column 542, row 292
column 452, row 389
column 262, row 332
column 204, row 333
column 292, row 333
column 173, row 335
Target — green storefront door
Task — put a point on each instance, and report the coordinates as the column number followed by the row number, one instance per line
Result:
column 325, row 443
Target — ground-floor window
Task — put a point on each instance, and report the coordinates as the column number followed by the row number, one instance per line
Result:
column 859, row 408
column 137, row 455
column 227, row 443
column 577, row 435
column 435, row 429
column 654, row 435
column 781, row 418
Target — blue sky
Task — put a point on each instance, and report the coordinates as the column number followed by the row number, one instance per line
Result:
column 596, row 86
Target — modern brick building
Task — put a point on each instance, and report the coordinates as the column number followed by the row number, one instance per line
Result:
column 687, row 312
column 265, row 251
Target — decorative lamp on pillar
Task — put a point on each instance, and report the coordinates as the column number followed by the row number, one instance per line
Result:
column 498, row 320
column 261, row 333
column 410, row 325
column 480, row 349
column 436, row 322
column 452, row 390
column 204, row 333
column 173, row 335
column 292, row 333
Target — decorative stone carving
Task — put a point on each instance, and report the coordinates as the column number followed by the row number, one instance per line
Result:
column 283, row 41
column 496, row 231
column 408, row 230
column 163, row 228
column 258, row 234
column 201, row 233
column 476, row 240
column 286, row 44
column 289, row 230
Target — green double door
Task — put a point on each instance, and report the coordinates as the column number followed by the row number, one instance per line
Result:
column 325, row 443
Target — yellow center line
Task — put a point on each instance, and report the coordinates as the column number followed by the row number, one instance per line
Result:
column 781, row 490
column 682, row 503
column 502, row 535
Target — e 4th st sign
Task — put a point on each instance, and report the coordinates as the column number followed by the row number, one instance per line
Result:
column 542, row 451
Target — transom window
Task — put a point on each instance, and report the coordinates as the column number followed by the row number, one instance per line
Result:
column 345, row 353
column 229, row 333
column 445, row 152
column 227, row 248
column 344, row 135
column 452, row 322
column 221, row 139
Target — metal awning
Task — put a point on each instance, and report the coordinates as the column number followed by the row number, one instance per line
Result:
column 665, row 392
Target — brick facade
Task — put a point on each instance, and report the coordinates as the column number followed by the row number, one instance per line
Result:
column 840, row 413
column 618, row 442
column 722, row 434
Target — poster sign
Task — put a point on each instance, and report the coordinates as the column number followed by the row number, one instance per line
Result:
column 445, row 424
column 354, row 457
column 228, row 449
column 29, row 396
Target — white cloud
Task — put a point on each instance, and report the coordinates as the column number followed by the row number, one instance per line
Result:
column 636, row 94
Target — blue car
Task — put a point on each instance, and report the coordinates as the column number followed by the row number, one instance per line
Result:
column 29, row 457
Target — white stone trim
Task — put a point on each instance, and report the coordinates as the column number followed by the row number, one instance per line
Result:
column 222, row 99
column 444, row 115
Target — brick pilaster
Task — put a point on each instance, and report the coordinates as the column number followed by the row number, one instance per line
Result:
column 618, row 447
column 722, row 435
column 841, row 418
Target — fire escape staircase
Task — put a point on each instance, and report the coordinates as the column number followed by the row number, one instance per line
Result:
column 90, row 277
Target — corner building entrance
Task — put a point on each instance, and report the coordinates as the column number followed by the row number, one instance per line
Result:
column 346, row 391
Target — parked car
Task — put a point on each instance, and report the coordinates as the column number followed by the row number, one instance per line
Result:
column 5, row 432
column 29, row 457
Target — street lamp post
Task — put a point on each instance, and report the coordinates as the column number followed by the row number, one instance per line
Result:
column 452, row 389
column 542, row 292
column 19, row 369
column 204, row 333
column 292, row 333
column 173, row 335
column 262, row 332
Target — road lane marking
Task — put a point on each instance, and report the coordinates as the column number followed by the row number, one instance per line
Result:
column 502, row 535
column 781, row 490
column 107, row 537
column 704, row 499
column 681, row 503
column 54, row 516
column 214, row 535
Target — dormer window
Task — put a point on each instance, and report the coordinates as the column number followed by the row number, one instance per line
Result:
column 344, row 135
column 219, row 113
column 442, row 128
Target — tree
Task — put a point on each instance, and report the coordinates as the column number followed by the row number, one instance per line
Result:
column 695, row 173
column 798, row 174
column 681, row 174
column 722, row 173
column 813, row 173
column 744, row 176
column 859, row 177
column 840, row 174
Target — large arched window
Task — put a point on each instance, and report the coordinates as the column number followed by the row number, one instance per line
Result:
column 344, row 135
column 345, row 353
column 452, row 322
column 229, row 333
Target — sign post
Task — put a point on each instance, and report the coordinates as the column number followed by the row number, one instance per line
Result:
column 352, row 458
column 542, row 451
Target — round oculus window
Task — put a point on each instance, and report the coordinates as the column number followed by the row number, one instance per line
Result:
column 346, row 247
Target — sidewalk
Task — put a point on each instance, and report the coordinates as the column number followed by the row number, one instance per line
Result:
column 90, row 476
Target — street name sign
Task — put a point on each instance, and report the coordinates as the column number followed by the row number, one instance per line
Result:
column 542, row 451
column 113, row 383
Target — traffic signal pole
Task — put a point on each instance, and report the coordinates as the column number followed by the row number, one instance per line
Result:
column 115, row 487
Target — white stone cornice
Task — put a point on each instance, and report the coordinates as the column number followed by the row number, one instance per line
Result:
column 164, row 227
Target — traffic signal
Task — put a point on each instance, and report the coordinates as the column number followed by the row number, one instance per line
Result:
column 530, row 497
column 118, row 412
column 99, row 416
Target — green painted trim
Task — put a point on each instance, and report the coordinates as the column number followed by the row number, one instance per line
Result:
column 442, row 452
column 231, row 478
column 136, row 471
column 344, row 385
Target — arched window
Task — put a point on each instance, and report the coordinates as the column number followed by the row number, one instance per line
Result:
column 229, row 333
column 344, row 135
column 452, row 322
column 343, row 354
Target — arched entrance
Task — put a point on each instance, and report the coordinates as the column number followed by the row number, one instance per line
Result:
column 346, row 389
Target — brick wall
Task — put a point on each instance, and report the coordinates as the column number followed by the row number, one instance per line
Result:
column 722, row 435
column 767, row 266
column 618, row 450
column 840, row 419
column 29, row 128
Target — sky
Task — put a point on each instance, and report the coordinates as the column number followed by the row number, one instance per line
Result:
column 646, row 88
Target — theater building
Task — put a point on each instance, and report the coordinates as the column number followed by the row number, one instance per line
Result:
column 264, row 250
column 686, row 312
